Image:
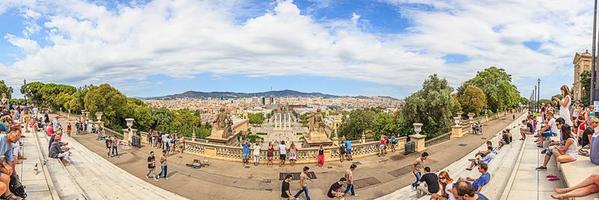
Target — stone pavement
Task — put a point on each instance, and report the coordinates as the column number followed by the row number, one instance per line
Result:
column 530, row 183
column 89, row 176
column 375, row 177
column 38, row 183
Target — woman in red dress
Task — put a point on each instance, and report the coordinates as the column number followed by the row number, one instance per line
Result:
column 320, row 157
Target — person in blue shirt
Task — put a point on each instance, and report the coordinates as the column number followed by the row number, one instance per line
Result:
column 4, row 128
column 465, row 190
column 348, row 149
column 482, row 180
column 7, row 164
column 246, row 152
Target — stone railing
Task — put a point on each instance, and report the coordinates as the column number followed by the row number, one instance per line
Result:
column 304, row 155
column 113, row 133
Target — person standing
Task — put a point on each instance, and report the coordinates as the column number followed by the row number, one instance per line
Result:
column 256, row 154
column 394, row 140
column 292, row 154
column 115, row 147
column 245, row 150
column 282, row 153
column 151, row 166
column 108, row 143
column 342, row 151
column 417, row 168
column 270, row 152
column 348, row 150
column 349, row 176
column 320, row 157
column 303, row 183
column 285, row 192
column 163, row 166
column 564, row 105
column 69, row 129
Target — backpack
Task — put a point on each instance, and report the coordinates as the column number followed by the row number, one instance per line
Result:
column 595, row 150
column 16, row 187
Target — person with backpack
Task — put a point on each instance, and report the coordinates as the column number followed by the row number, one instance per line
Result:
column 394, row 141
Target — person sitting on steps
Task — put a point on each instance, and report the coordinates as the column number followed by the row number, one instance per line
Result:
column 563, row 154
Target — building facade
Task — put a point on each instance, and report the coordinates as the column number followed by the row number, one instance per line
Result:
column 582, row 62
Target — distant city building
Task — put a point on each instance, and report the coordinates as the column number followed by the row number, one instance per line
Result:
column 582, row 62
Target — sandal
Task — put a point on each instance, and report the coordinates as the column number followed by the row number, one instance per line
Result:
column 553, row 179
column 12, row 197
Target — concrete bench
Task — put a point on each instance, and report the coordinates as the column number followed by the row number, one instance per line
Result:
column 574, row 172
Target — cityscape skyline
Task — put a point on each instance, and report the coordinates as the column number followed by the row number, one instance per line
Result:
column 370, row 48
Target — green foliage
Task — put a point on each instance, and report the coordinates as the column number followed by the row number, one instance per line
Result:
column 585, row 81
column 473, row 99
column 49, row 95
column 304, row 118
column 6, row 90
column 456, row 106
column 256, row 118
column 356, row 123
column 110, row 101
column 497, row 85
column 384, row 123
column 430, row 106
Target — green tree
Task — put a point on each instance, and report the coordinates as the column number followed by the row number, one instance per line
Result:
column 384, row 123
column 6, row 90
column 585, row 81
column 456, row 107
column 497, row 85
column 473, row 99
column 356, row 123
column 256, row 118
column 430, row 106
column 104, row 98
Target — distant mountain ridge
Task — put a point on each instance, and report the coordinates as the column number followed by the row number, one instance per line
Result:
column 232, row 95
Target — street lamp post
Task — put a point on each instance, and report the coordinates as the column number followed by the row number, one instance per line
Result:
column 593, row 92
column 538, row 94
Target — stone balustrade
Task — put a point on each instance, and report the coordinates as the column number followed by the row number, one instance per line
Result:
column 304, row 155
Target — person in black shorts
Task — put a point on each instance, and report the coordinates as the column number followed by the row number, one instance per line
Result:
column 151, row 166
column 335, row 189
column 285, row 192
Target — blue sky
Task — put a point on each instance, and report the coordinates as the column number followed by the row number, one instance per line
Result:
column 345, row 47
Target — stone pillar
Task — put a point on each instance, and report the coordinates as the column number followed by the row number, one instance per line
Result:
column 193, row 135
column 419, row 139
column 456, row 131
column 363, row 139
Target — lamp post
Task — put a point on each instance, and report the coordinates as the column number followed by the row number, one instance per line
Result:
column 593, row 92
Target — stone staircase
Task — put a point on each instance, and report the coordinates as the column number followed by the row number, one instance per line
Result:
column 500, row 168
column 90, row 176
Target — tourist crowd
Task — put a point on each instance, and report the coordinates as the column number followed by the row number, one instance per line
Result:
column 571, row 134
column 12, row 119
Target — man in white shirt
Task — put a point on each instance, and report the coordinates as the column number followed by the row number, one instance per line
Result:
column 282, row 153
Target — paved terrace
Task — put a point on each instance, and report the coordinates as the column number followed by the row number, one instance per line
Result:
column 229, row 180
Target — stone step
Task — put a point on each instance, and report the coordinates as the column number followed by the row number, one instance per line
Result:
column 500, row 166
column 64, row 183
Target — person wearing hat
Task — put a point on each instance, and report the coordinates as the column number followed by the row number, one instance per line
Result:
column 59, row 150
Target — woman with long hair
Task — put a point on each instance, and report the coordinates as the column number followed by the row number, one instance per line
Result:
column 446, row 184
column 563, row 154
column 564, row 105
column 320, row 157
column 292, row 154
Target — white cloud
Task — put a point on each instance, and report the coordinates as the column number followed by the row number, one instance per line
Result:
column 91, row 44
